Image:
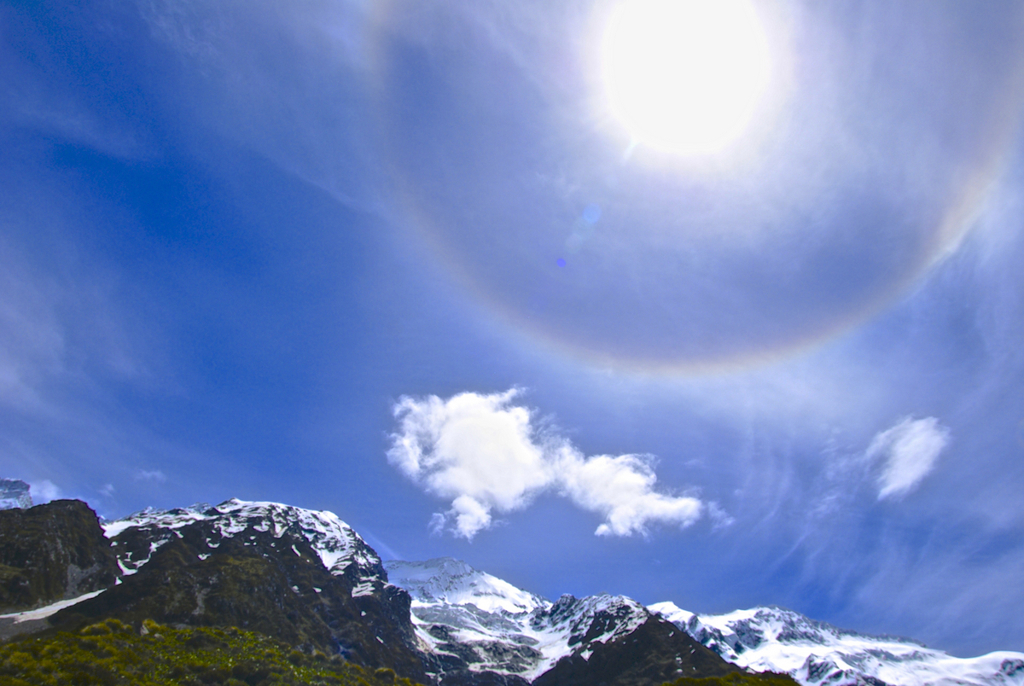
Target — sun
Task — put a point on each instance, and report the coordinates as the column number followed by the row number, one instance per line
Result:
column 685, row 76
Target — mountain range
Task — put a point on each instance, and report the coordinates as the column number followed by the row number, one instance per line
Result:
column 307, row 579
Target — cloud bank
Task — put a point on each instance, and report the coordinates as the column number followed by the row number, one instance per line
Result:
column 909, row 449
column 486, row 454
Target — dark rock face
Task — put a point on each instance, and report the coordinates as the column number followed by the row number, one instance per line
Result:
column 656, row 652
column 254, row 580
column 52, row 552
column 1011, row 668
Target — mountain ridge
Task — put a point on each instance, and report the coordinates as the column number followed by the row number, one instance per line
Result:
column 816, row 653
column 307, row 578
column 481, row 624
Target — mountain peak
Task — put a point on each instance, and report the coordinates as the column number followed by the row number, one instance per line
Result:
column 336, row 543
column 445, row 579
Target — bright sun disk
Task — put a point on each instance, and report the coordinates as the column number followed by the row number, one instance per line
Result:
column 685, row 76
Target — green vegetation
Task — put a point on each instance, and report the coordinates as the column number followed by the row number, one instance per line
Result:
column 112, row 653
column 739, row 679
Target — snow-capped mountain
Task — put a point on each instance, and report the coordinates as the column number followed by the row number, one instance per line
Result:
column 815, row 653
column 466, row 626
column 492, row 626
column 308, row 579
column 298, row 575
column 14, row 493
column 495, row 627
column 481, row 625
column 337, row 544
column 451, row 581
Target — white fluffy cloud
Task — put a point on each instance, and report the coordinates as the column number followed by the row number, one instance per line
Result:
column 485, row 454
column 909, row 450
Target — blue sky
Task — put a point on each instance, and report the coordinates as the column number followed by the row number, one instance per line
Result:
column 398, row 260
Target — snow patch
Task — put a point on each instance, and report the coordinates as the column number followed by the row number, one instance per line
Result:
column 44, row 612
column 362, row 589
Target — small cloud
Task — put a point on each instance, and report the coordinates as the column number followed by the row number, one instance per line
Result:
column 720, row 519
column 909, row 449
column 485, row 454
column 107, row 490
column 621, row 488
column 154, row 475
column 44, row 491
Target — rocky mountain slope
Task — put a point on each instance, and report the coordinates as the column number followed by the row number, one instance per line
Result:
column 52, row 553
column 482, row 627
column 816, row 654
column 485, row 624
column 299, row 576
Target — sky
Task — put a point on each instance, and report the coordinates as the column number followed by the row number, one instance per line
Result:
column 446, row 270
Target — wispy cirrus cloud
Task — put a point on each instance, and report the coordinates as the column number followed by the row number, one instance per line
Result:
column 32, row 340
column 153, row 475
column 488, row 454
column 909, row 450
